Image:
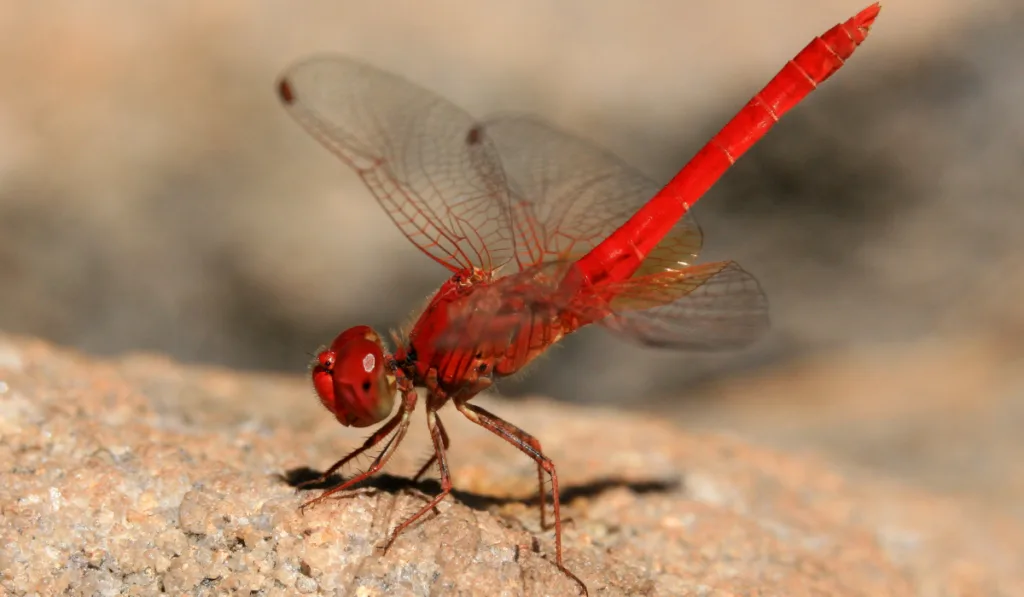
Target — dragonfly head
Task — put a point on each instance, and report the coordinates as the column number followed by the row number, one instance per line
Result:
column 353, row 379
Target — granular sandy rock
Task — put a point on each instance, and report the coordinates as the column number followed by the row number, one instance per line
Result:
column 139, row 476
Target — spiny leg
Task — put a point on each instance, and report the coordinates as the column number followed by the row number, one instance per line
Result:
column 401, row 420
column 437, row 393
column 438, row 435
column 433, row 457
column 535, row 444
column 370, row 442
column 531, row 447
column 431, row 383
column 378, row 464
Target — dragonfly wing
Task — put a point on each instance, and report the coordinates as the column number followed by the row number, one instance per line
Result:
column 423, row 158
column 568, row 195
column 497, row 313
column 713, row 306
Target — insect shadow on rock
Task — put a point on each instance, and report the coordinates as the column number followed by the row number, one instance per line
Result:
column 306, row 478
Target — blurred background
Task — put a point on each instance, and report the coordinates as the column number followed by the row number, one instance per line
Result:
column 154, row 196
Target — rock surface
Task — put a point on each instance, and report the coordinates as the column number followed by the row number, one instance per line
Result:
column 942, row 414
column 141, row 477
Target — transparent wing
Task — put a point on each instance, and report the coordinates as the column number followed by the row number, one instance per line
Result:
column 515, row 188
column 421, row 156
column 522, row 304
column 568, row 195
column 714, row 306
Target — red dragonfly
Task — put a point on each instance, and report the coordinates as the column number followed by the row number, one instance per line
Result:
column 542, row 233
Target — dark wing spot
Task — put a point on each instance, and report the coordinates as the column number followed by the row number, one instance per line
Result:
column 284, row 91
column 473, row 136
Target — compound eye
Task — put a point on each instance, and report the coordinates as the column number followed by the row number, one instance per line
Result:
column 352, row 378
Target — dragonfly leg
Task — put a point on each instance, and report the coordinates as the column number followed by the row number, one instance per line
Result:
column 435, row 390
column 400, row 420
column 439, row 436
column 529, row 445
column 370, row 442
column 436, row 394
column 433, row 457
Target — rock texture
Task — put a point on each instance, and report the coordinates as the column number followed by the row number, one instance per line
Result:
column 143, row 477
column 942, row 414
